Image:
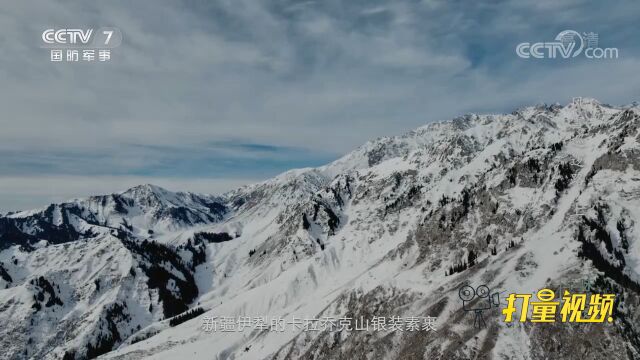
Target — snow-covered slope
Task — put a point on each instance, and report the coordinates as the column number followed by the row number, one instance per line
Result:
column 545, row 196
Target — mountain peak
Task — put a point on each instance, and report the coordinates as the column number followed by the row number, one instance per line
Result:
column 149, row 194
column 516, row 201
column 146, row 188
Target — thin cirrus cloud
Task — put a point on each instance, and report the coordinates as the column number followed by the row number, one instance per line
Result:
column 233, row 159
column 235, row 91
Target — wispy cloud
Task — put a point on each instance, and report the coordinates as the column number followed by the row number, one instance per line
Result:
column 212, row 159
column 244, row 89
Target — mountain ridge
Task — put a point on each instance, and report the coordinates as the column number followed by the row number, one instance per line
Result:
column 543, row 195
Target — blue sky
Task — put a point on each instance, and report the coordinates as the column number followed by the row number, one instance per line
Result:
column 209, row 95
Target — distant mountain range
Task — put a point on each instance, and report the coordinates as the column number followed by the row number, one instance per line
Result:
column 543, row 197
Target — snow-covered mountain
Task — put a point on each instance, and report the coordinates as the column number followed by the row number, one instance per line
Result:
column 543, row 197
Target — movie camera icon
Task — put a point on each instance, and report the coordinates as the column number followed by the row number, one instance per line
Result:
column 485, row 301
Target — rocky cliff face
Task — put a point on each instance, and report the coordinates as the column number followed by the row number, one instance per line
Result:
column 544, row 197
